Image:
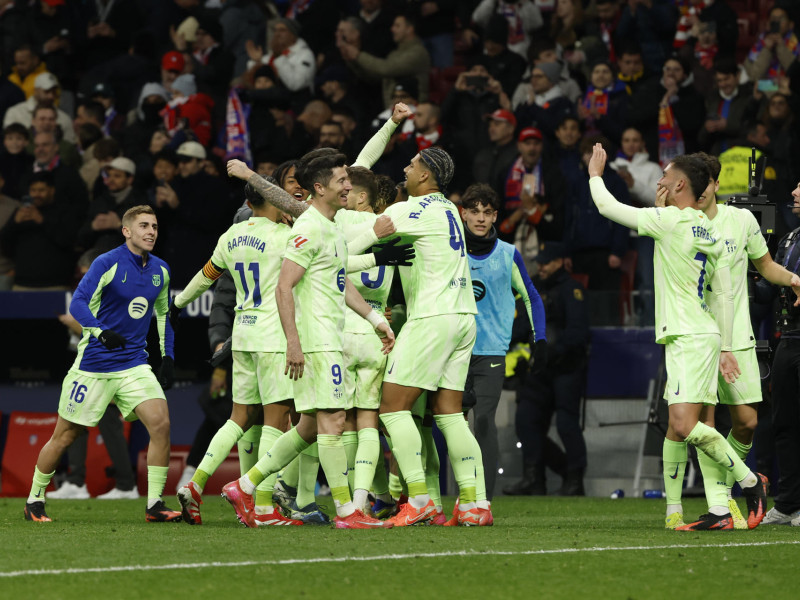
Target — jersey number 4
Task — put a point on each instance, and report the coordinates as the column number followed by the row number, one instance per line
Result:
column 456, row 241
column 253, row 268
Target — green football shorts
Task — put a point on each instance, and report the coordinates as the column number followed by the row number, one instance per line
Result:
column 322, row 385
column 258, row 378
column 692, row 365
column 747, row 388
column 364, row 366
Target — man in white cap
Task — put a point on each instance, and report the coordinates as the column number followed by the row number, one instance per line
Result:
column 45, row 92
column 102, row 229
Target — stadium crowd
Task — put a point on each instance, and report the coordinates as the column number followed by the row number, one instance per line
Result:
column 106, row 105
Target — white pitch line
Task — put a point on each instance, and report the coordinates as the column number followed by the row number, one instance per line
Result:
column 342, row 559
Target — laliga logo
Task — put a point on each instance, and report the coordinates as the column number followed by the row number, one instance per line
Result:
column 138, row 307
column 340, row 279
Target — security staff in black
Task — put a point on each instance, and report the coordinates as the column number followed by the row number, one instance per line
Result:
column 786, row 386
column 557, row 387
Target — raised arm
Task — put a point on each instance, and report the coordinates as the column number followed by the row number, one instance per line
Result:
column 273, row 194
column 374, row 148
column 608, row 206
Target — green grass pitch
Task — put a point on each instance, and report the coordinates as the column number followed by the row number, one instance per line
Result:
column 539, row 548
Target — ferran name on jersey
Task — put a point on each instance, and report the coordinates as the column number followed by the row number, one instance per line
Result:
column 425, row 202
column 246, row 240
column 702, row 232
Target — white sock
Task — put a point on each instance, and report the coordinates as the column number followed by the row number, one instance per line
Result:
column 749, row 481
column 248, row 487
column 345, row 510
column 484, row 504
column 152, row 502
column 674, row 508
column 718, row 510
column 419, row 501
column 465, row 506
column 360, row 499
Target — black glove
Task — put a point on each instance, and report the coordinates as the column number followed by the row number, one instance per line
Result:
column 166, row 374
column 221, row 355
column 174, row 313
column 111, row 339
column 539, row 363
column 394, row 253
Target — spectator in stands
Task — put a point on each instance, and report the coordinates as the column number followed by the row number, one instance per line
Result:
column 173, row 64
column 377, row 19
column 290, row 57
column 14, row 158
column 188, row 111
column 533, row 198
column 113, row 122
column 165, row 167
column 409, row 59
column 437, row 24
column 727, row 108
column 44, row 120
column 89, row 111
column 501, row 63
column 640, row 174
column 49, row 27
column 334, row 83
column 241, row 20
column 331, row 135
column 523, row 18
column 630, row 66
column 407, row 92
column 782, row 172
column 137, row 136
column 8, row 206
column 40, row 238
column 567, row 29
column 102, row 230
column 27, row 67
column 309, row 122
column 543, row 50
column 651, row 24
column 596, row 247
column 604, row 108
column 715, row 15
column 568, row 136
column 492, row 162
column 601, row 41
column 192, row 213
column 427, row 125
column 96, row 157
column 12, row 28
column 776, row 48
column 546, row 105
column 10, row 94
column 46, row 92
column 69, row 187
column 556, row 387
column 669, row 112
column 111, row 24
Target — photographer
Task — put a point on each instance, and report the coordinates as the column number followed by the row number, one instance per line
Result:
column 775, row 49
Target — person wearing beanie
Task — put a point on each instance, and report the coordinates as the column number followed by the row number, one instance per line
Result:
column 189, row 109
column 546, row 105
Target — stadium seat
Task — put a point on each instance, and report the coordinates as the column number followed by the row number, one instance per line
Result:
column 28, row 432
column 227, row 471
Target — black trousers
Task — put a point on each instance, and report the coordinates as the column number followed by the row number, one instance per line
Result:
column 786, row 423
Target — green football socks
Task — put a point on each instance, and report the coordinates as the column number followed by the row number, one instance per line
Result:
column 286, row 447
column 431, row 466
column 673, row 458
column 307, row 476
column 39, row 485
column 369, row 448
column 461, row 447
column 218, row 450
column 714, row 445
column 263, row 502
column 248, row 448
column 742, row 450
column 156, row 479
column 407, row 448
column 333, row 459
column 714, row 477
column 350, row 443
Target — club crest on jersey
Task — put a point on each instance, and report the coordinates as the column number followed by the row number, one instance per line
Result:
column 340, row 279
column 138, row 307
column 157, row 280
column 299, row 240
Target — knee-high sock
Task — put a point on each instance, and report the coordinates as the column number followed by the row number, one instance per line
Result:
column 333, row 460
column 263, row 504
column 39, row 485
column 461, row 447
column 248, row 448
column 714, row 477
column 156, row 478
column 431, row 466
column 741, row 450
column 350, row 443
column 480, row 481
column 307, row 476
column 291, row 473
column 407, row 449
column 380, row 483
column 714, row 445
column 673, row 458
column 369, row 447
column 285, row 448
column 218, row 450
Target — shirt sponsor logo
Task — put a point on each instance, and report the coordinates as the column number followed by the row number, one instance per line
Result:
column 458, row 282
column 249, row 319
column 299, row 240
column 479, row 289
column 138, row 307
column 156, row 280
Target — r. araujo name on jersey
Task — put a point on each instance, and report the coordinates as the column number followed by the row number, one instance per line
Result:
column 120, row 293
column 687, row 251
column 743, row 241
column 438, row 281
column 318, row 245
column 252, row 251
column 373, row 284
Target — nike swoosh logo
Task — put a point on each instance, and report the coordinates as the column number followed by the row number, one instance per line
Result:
column 250, row 451
column 674, row 475
column 390, row 368
column 475, row 268
column 493, row 365
column 126, row 277
column 678, row 391
column 730, row 459
column 346, row 472
column 38, row 494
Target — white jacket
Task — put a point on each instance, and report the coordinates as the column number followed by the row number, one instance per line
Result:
column 295, row 68
column 23, row 113
column 645, row 174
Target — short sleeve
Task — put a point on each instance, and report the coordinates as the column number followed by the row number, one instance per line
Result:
column 304, row 245
column 756, row 244
column 218, row 257
column 406, row 221
column 656, row 222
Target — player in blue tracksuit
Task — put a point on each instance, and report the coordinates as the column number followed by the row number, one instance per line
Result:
column 113, row 303
column 497, row 272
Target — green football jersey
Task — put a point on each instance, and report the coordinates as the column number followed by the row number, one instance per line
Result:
column 373, row 284
column 438, row 281
column 687, row 251
column 317, row 244
column 743, row 241
column 252, row 251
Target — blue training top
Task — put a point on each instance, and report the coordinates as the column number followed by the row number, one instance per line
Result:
column 120, row 293
column 495, row 278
